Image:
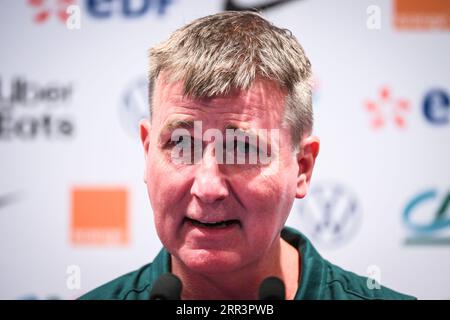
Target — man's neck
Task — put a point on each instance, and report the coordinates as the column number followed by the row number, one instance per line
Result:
column 283, row 262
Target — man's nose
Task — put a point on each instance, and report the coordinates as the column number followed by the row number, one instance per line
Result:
column 209, row 184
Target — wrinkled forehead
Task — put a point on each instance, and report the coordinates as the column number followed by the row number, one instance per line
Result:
column 263, row 101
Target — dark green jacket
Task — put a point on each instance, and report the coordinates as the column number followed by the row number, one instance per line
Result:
column 319, row 278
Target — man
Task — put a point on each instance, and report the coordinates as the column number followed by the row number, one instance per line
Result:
column 228, row 149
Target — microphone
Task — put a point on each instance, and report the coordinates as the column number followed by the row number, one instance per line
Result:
column 166, row 287
column 272, row 288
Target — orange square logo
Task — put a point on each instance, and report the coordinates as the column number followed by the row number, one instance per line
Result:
column 422, row 14
column 99, row 216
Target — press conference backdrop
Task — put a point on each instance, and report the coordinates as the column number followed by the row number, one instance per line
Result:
column 74, row 211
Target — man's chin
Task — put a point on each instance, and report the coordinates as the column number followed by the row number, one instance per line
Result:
column 211, row 261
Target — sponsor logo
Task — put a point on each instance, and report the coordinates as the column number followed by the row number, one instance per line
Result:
column 99, row 216
column 330, row 215
column 387, row 109
column 422, row 15
column 134, row 106
column 45, row 9
column 436, row 107
column 427, row 218
column 127, row 8
column 29, row 110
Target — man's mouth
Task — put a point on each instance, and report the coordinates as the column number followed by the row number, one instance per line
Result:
column 214, row 225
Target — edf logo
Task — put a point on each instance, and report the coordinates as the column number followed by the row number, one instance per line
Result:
column 436, row 107
column 129, row 8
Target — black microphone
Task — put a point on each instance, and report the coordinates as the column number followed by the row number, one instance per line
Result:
column 272, row 288
column 166, row 287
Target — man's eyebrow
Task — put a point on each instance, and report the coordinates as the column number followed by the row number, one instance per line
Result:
column 171, row 125
column 246, row 131
column 177, row 123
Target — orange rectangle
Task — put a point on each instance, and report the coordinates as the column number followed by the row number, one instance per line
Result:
column 422, row 14
column 99, row 216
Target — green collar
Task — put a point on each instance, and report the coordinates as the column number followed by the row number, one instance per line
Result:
column 312, row 276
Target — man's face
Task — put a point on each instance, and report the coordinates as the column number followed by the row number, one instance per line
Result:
column 189, row 200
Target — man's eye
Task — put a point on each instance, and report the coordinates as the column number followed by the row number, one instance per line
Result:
column 180, row 141
column 245, row 147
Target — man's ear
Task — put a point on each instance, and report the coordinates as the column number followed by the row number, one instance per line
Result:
column 144, row 130
column 306, row 158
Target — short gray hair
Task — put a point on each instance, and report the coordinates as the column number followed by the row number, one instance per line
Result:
column 229, row 50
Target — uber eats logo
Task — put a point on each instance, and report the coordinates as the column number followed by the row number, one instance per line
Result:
column 30, row 110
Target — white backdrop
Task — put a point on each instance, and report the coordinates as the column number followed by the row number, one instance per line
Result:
column 69, row 105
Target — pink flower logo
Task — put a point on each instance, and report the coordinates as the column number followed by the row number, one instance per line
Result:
column 46, row 8
column 387, row 108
